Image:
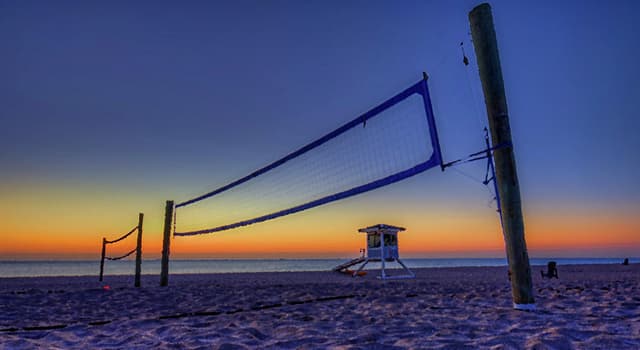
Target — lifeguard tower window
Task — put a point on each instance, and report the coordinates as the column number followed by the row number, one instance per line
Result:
column 390, row 240
column 373, row 240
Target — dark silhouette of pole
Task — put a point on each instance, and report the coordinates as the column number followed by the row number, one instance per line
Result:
column 139, row 250
column 486, row 47
column 104, row 247
column 166, row 241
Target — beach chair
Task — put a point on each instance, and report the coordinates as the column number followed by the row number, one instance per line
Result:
column 552, row 270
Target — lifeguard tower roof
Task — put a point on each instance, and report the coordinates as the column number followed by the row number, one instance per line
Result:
column 381, row 227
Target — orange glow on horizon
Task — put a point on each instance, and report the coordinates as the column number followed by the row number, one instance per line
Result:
column 333, row 233
column 53, row 222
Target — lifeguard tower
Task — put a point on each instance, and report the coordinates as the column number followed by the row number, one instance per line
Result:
column 382, row 246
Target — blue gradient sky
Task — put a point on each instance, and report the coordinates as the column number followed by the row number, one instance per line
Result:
column 104, row 104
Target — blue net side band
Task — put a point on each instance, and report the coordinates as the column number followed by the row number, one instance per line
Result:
column 432, row 162
column 418, row 88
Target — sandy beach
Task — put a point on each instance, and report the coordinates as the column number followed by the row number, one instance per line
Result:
column 588, row 307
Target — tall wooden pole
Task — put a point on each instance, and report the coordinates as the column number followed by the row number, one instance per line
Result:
column 166, row 241
column 104, row 247
column 486, row 47
column 139, row 250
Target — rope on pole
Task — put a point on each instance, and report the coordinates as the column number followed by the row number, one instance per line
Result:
column 123, row 256
column 125, row 235
column 138, row 249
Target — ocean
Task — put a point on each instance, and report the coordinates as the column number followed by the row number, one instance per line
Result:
column 35, row 268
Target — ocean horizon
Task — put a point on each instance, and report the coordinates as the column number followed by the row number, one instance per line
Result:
column 50, row 268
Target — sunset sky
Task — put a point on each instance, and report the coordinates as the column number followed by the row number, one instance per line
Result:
column 109, row 109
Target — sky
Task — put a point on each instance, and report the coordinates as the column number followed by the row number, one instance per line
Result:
column 110, row 109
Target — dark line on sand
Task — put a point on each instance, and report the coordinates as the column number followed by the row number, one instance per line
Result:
column 258, row 308
column 197, row 313
column 45, row 328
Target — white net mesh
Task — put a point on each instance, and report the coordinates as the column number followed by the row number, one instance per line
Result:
column 392, row 141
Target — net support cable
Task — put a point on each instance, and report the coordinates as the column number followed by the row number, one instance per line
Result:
column 490, row 173
column 484, row 154
column 421, row 88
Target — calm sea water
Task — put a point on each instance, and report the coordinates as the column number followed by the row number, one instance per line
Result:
column 152, row 267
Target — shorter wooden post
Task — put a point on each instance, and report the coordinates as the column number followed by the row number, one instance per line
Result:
column 104, row 247
column 139, row 250
column 166, row 241
column 383, row 274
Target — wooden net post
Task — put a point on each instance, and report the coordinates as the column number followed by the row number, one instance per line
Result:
column 139, row 250
column 104, row 247
column 166, row 241
column 486, row 47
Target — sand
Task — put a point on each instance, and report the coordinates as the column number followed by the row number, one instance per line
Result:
column 588, row 307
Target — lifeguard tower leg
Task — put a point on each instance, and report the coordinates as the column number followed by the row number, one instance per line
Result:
column 406, row 268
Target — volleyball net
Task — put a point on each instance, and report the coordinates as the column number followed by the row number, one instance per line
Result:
column 391, row 142
column 137, row 249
